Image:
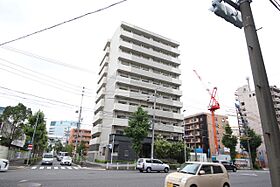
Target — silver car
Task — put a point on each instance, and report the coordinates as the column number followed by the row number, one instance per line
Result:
column 148, row 165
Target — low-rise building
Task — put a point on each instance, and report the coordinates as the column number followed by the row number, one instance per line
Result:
column 81, row 135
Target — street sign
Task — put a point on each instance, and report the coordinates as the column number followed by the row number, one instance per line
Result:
column 30, row 146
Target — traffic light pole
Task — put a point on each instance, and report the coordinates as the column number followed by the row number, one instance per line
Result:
column 270, row 127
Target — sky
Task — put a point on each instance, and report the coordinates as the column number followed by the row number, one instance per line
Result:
column 47, row 71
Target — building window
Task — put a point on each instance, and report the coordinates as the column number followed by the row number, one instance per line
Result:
column 126, row 153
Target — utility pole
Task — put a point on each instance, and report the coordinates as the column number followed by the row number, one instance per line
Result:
column 267, row 112
column 79, row 123
column 153, row 124
column 265, row 104
column 33, row 136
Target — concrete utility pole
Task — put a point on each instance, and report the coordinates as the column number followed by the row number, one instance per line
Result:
column 33, row 136
column 153, row 124
column 79, row 122
column 270, row 127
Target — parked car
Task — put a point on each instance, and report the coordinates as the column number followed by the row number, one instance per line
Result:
column 47, row 158
column 228, row 165
column 148, row 165
column 4, row 164
column 66, row 160
column 198, row 174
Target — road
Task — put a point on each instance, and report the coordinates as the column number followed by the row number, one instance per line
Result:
column 57, row 176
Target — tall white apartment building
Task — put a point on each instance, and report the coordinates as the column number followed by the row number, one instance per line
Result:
column 137, row 63
column 249, row 115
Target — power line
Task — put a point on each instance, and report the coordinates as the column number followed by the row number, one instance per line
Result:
column 49, row 60
column 63, row 83
column 64, row 22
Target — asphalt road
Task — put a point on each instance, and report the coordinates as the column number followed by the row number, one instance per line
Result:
column 64, row 176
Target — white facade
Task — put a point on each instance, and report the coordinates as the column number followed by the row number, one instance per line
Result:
column 135, row 64
column 250, row 112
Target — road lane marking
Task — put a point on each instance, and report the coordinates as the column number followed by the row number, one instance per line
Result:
column 249, row 174
column 55, row 167
column 75, row 167
column 23, row 181
column 34, row 167
column 62, row 167
column 49, row 167
column 69, row 167
column 42, row 167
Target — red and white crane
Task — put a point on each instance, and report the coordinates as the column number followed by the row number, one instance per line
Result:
column 212, row 107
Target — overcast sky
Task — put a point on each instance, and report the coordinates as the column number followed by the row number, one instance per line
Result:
column 210, row 45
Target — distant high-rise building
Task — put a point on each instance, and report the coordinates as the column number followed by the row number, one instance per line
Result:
column 59, row 130
column 199, row 132
column 138, row 65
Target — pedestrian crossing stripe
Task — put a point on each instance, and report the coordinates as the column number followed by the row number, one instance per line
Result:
column 56, row 167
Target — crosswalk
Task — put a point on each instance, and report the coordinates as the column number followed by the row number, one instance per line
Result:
column 56, row 168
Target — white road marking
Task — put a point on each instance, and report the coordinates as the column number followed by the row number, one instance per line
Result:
column 62, row 167
column 249, row 174
column 49, row 167
column 23, row 181
column 68, row 167
column 34, row 167
column 75, row 167
column 55, row 167
column 42, row 167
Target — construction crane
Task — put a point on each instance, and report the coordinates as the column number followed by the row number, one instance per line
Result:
column 212, row 107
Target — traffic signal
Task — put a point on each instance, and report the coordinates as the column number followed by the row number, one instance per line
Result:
column 225, row 11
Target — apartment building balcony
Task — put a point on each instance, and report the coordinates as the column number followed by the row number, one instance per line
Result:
column 149, row 74
column 143, row 97
column 103, row 71
column 99, row 105
column 96, row 130
column 95, row 140
column 100, row 94
column 150, row 42
column 97, row 117
column 160, row 113
column 150, row 52
column 169, row 128
column 120, row 122
column 147, row 85
column 102, row 82
column 149, row 62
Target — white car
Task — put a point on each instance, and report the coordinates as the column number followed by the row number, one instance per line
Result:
column 148, row 165
column 199, row 174
column 47, row 158
column 66, row 160
column 4, row 164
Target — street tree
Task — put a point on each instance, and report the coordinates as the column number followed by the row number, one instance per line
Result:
column 40, row 141
column 138, row 128
column 68, row 148
column 230, row 141
column 165, row 149
column 255, row 141
column 13, row 121
column 81, row 148
column 58, row 147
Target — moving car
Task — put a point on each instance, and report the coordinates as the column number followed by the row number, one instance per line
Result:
column 61, row 155
column 66, row 160
column 198, row 174
column 228, row 165
column 4, row 164
column 47, row 158
column 148, row 165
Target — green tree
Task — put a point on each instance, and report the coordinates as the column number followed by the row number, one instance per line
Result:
column 170, row 150
column 255, row 141
column 58, row 146
column 13, row 121
column 138, row 128
column 40, row 141
column 81, row 148
column 230, row 141
column 68, row 148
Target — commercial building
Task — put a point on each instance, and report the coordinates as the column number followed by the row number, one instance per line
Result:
column 139, row 68
column 199, row 132
column 83, row 135
column 59, row 131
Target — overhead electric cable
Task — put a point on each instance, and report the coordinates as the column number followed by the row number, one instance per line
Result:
column 59, row 24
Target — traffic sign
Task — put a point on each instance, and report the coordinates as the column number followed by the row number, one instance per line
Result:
column 30, row 146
